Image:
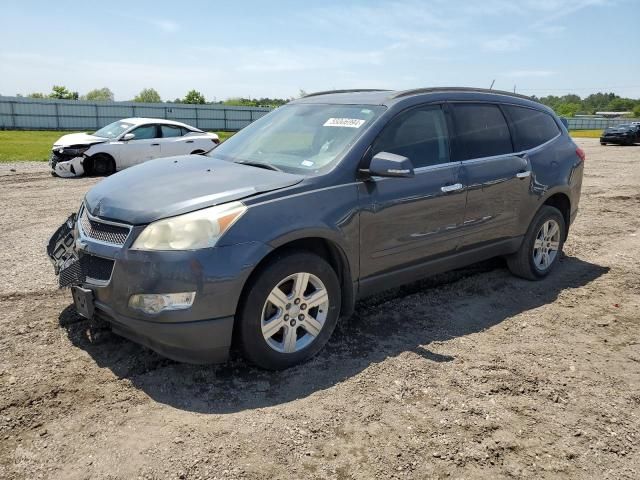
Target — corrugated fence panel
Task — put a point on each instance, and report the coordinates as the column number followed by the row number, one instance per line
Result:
column 49, row 114
column 596, row 123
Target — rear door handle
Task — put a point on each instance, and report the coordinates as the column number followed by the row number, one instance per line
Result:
column 155, row 144
column 189, row 141
column 524, row 174
column 451, row 188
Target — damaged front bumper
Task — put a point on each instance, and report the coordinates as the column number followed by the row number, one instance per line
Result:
column 66, row 165
column 103, row 276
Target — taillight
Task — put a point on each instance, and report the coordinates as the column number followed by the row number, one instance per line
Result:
column 580, row 153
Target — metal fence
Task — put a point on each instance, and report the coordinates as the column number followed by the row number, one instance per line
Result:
column 17, row 113
column 596, row 123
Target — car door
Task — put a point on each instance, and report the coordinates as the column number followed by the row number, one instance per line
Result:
column 406, row 221
column 173, row 142
column 496, row 178
column 145, row 145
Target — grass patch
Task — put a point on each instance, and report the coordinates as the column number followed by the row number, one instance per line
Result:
column 26, row 145
column 23, row 145
column 585, row 133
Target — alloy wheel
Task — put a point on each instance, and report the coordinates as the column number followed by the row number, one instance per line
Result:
column 546, row 245
column 295, row 312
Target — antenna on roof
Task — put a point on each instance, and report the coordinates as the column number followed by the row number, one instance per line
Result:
column 492, row 82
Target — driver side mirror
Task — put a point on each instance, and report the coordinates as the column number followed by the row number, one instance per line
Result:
column 128, row 136
column 385, row 164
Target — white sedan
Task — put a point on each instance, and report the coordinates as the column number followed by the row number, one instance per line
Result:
column 125, row 143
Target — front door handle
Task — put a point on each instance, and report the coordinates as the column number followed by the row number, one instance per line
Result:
column 155, row 144
column 451, row 188
column 189, row 141
column 524, row 174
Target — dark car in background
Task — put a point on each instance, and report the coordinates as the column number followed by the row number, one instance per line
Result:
column 623, row 134
column 272, row 236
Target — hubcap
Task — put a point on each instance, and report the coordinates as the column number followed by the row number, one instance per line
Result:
column 546, row 245
column 295, row 312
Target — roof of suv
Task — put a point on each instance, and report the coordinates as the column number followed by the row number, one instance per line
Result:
column 389, row 97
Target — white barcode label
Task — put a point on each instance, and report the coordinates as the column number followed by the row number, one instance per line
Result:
column 344, row 122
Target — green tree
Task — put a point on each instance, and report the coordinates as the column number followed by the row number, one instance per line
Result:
column 636, row 111
column 194, row 97
column 148, row 95
column 568, row 109
column 620, row 105
column 99, row 95
column 61, row 92
column 36, row 95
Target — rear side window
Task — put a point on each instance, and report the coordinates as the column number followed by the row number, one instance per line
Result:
column 170, row 131
column 481, row 131
column 419, row 134
column 530, row 127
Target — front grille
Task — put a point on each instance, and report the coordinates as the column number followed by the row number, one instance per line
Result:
column 103, row 232
column 87, row 267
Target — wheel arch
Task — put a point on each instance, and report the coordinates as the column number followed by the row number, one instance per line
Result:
column 322, row 246
column 90, row 159
column 562, row 202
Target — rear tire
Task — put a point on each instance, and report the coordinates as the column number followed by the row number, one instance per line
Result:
column 541, row 247
column 276, row 327
column 100, row 164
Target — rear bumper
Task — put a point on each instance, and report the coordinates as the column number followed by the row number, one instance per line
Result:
column 200, row 342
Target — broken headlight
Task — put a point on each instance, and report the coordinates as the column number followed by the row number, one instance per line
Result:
column 74, row 151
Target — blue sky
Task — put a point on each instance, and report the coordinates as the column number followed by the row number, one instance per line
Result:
column 275, row 48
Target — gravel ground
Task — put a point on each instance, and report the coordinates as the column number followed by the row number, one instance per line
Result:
column 471, row 374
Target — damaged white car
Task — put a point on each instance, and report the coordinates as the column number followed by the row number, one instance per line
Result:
column 126, row 143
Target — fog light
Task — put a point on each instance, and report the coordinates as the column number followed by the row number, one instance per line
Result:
column 160, row 302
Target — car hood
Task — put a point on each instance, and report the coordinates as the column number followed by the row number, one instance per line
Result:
column 175, row 185
column 78, row 139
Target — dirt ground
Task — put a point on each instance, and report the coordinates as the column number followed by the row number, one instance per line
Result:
column 471, row 374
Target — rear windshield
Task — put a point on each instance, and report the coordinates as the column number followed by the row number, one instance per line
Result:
column 299, row 138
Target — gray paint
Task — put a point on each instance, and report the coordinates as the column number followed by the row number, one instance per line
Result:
column 387, row 230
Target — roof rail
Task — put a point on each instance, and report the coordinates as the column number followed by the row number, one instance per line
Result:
column 355, row 90
column 416, row 91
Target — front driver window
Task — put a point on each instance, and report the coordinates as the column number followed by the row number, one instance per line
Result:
column 145, row 132
column 419, row 134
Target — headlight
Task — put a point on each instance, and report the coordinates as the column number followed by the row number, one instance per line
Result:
column 191, row 231
column 75, row 151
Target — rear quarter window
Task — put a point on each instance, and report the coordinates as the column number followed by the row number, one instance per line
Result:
column 531, row 127
column 480, row 131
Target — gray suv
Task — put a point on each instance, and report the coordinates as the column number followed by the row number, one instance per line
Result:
column 271, row 237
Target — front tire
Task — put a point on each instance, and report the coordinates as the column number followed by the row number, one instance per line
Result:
column 100, row 164
column 541, row 247
column 289, row 310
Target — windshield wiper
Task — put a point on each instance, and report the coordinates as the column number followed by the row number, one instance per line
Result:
column 266, row 166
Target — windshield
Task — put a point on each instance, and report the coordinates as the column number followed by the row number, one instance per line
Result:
column 299, row 138
column 113, row 130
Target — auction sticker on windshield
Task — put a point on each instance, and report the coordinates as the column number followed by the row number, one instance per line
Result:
column 344, row 122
